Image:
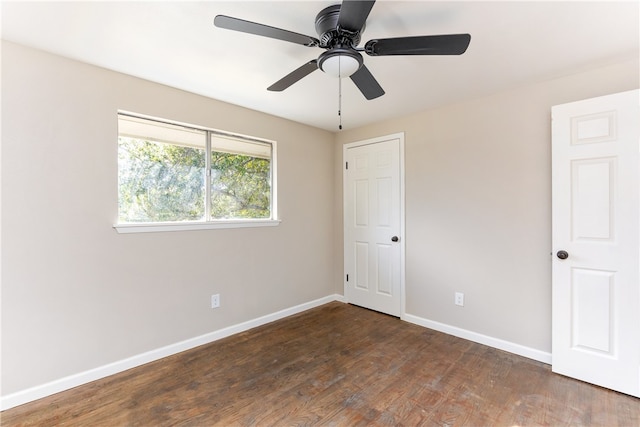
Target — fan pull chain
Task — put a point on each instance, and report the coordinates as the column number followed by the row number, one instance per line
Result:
column 339, row 95
column 340, row 102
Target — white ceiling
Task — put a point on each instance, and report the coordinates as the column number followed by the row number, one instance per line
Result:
column 175, row 43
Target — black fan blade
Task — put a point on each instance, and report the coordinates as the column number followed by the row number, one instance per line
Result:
column 367, row 83
column 449, row 44
column 294, row 76
column 353, row 14
column 235, row 24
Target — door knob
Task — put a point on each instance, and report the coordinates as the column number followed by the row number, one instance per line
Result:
column 562, row 254
column 395, row 239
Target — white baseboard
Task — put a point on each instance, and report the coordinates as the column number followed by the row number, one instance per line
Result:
column 518, row 349
column 66, row 383
column 62, row 384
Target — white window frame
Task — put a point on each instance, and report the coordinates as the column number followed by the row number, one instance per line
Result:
column 149, row 227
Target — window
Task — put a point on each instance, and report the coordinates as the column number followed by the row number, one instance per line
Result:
column 171, row 173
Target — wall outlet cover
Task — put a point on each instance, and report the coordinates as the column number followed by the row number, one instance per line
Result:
column 215, row 301
column 459, row 299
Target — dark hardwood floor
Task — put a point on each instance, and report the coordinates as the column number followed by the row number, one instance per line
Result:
column 336, row 365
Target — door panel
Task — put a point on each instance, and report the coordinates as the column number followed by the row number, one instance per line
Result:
column 362, row 203
column 592, row 191
column 593, row 317
column 384, row 262
column 361, row 276
column 372, row 184
column 596, row 216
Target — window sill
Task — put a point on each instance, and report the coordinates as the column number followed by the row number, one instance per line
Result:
column 189, row 226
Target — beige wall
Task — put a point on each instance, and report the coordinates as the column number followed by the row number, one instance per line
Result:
column 77, row 295
column 478, row 205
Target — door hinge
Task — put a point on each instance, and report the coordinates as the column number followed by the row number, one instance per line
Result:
column 346, row 165
column 347, row 277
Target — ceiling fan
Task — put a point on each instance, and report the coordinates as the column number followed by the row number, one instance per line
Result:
column 339, row 28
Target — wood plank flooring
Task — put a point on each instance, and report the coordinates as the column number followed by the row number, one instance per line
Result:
column 335, row 365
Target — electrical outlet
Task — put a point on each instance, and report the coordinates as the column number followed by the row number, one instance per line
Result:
column 459, row 299
column 215, row 301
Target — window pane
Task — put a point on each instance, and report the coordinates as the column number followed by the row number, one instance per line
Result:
column 163, row 169
column 240, row 185
column 159, row 181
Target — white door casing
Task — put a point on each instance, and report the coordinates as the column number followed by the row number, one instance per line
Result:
column 373, row 219
column 596, row 218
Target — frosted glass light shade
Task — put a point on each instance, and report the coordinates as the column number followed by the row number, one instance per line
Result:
column 340, row 65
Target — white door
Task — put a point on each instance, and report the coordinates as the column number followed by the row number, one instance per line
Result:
column 373, row 224
column 596, row 281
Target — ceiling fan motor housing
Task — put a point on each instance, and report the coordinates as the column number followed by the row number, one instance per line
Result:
column 327, row 29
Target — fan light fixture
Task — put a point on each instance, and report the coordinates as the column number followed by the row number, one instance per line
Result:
column 340, row 62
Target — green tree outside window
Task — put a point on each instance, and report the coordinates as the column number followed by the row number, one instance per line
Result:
column 165, row 182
